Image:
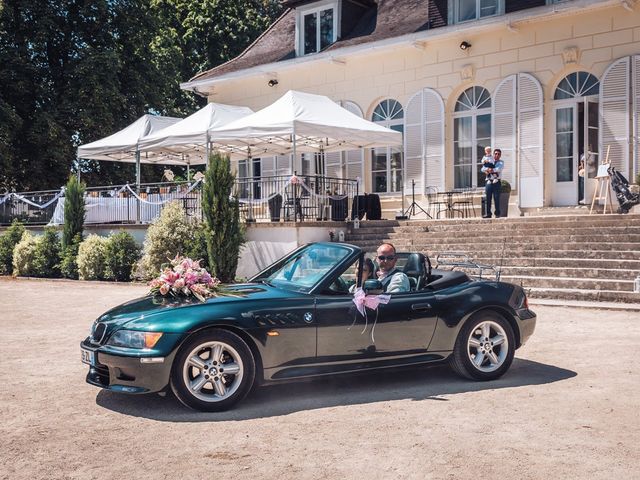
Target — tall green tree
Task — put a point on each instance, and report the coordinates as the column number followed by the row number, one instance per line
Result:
column 73, row 211
column 73, row 71
column 224, row 233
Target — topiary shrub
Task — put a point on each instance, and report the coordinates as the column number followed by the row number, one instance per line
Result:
column 505, row 187
column 69, row 255
column 47, row 254
column 120, row 254
column 91, row 258
column 8, row 241
column 225, row 234
column 169, row 235
column 73, row 210
column 24, row 256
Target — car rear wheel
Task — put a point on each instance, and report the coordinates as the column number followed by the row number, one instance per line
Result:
column 213, row 371
column 484, row 348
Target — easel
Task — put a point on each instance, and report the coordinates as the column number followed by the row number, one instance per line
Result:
column 604, row 185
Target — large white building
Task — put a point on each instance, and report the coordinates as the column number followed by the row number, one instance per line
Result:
column 544, row 81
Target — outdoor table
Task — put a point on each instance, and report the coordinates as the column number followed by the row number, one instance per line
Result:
column 448, row 201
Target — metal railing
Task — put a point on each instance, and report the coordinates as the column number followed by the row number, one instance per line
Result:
column 265, row 199
column 298, row 198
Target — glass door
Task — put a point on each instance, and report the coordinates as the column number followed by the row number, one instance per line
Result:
column 565, row 190
column 591, row 151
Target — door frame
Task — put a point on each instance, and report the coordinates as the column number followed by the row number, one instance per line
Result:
column 566, row 193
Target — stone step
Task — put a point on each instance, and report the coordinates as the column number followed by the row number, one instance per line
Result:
column 515, row 238
column 601, row 263
column 498, row 229
column 570, row 273
column 510, row 249
column 607, row 284
column 437, row 231
column 584, row 295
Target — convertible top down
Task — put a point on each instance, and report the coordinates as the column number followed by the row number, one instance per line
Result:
column 297, row 318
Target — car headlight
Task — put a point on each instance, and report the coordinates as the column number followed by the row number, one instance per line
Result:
column 133, row 339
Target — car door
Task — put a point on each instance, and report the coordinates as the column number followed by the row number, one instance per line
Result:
column 405, row 325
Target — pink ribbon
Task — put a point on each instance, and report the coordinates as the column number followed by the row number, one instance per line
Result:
column 362, row 301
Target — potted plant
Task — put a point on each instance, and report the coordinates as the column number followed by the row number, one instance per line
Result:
column 505, row 193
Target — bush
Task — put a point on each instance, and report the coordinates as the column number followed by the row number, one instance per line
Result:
column 47, row 254
column 225, row 234
column 505, row 187
column 91, row 258
column 68, row 263
column 121, row 253
column 197, row 248
column 8, row 241
column 169, row 235
column 73, row 210
column 24, row 256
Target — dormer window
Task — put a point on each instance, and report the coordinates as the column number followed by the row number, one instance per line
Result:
column 467, row 10
column 317, row 26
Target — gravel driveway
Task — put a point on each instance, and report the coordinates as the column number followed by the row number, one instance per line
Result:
column 568, row 408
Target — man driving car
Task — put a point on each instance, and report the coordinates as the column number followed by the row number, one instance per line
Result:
column 392, row 279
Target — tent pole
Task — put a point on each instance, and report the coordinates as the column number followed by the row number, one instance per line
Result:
column 137, row 185
column 206, row 152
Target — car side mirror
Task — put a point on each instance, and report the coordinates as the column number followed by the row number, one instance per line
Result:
column 372, row 284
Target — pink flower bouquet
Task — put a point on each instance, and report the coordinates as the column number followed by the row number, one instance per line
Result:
column 186, row 277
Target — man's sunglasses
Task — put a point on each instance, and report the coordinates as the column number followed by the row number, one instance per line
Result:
column 382, row 258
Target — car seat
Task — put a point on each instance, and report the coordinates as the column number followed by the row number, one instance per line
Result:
column 415, row 269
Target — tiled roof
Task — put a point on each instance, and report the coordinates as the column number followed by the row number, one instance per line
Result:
column 391, row 18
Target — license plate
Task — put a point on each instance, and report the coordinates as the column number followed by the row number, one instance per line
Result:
column 87, row 356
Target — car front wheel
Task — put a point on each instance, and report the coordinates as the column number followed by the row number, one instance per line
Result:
column 213, row 371
column 484, row 348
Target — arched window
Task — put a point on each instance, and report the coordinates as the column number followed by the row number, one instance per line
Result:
column 577, row 84
column 471, row 133
column 386, row 163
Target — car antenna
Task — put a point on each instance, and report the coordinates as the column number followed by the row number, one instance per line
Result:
column 504, row 244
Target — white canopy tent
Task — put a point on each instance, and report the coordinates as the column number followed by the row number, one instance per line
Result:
column 189, row 138
column 123, row 146
column 301, row 122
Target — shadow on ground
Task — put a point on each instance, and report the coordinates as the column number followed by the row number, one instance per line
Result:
column 418, row 384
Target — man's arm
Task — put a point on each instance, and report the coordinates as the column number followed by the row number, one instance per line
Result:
column 399, row 283
column 498, row 167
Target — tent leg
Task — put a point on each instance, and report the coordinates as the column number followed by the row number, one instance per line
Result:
column 138, row 186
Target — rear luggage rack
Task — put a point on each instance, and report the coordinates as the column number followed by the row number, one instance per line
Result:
column 463, row 262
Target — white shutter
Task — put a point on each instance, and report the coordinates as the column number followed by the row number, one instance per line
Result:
column 283, row 165
column 614, row 114
column 503, row 124
column 333, row 164
column 267, row 166
column 353, row 160
column 530, row 141
column 433, row 131
column 414, row 143
column 635, row 78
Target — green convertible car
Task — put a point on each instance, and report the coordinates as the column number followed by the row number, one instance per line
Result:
column 298, row 318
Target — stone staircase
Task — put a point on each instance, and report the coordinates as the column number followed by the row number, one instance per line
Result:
column 591, row 258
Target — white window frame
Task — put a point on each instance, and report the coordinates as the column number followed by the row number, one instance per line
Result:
column 472, row 113
column 316, row 8
column 454, row 10
column 389, row 151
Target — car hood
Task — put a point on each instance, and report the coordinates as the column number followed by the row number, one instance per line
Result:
column 149, row 310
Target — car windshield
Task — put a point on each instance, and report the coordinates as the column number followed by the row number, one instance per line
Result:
column 303, row 270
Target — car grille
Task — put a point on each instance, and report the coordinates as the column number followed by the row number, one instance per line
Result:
column 98, row 332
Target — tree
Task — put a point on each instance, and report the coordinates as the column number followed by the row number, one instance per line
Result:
column 72, row 72
column 73, row 211
column 224, row 233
